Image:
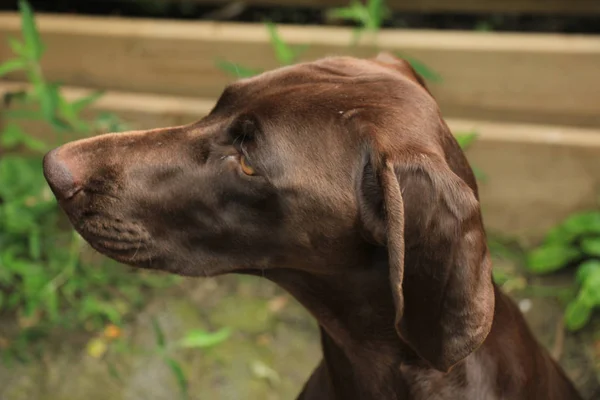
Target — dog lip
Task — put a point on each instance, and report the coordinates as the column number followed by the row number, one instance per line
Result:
column 72, row 193
column 127, row 254
column 114, row 244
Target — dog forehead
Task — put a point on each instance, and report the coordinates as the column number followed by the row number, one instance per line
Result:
column 319, row 98
column 302, row 81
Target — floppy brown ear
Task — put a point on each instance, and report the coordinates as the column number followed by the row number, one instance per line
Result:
column 439, row 266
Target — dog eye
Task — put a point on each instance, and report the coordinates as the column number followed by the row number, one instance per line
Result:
column 246, row 167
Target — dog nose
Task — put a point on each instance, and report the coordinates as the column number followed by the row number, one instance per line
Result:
column 59, row 176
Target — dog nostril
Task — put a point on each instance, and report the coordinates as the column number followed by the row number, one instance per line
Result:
column 59, row 176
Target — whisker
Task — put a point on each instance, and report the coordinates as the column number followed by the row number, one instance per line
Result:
column 138, row 247
column 149, row 251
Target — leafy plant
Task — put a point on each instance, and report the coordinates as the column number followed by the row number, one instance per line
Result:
column 284, row 53
column 195, row 339
column 44, row 277
column 112, row 342
column 574, row 242
column 369, row 15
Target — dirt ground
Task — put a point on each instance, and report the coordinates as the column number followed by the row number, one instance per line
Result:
column 273, row 348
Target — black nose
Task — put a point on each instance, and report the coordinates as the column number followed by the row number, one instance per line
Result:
column 58, row 175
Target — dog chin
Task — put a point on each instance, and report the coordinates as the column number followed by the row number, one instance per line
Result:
column 132, row 257
column 207, row 271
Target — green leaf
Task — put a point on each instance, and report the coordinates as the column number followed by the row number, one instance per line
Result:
column 586, row 223
column 299, row 50
column 1, row 300
column 361, row 14
column 33, row 43
column 17, row 47
column 378, row 12
column 12, row 65
column 35, row 248
column 110, row 311
column 159, row 334
column 587, row 269
column 67, row 112
column 577, row 315
column 13, row 136
column 479, row 174
column 13, row 300
column 550, row 258
column 49, row 99
column 500, row 276
column 285, row 55
column 179, row 376
column 80, row 104
column 466, row 139
column 203, row 339
column 591, row 246
column 236, row 70
column 369, row 17
column 109, row 122
column 345, row 13
column 51, row 304
column 114, row 371
column 588, row 275
column 422, row 69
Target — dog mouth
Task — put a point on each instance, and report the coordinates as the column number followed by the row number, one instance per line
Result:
column 124, row 241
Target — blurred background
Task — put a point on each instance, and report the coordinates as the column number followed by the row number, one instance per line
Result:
column 517, row 80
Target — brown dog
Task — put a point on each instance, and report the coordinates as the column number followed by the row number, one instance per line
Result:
column 339, row 181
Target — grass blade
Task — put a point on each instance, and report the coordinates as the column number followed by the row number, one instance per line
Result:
column 114, row 372
column 377, row 13
column 236, row 70
column 11, row 66
column 285, row 55
column 179, row 376
column 84, row 102
column 158, row 332
column 33, row 43
column 17, row 47
column 203, row 339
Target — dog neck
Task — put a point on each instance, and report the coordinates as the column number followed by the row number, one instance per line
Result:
column 361, row 349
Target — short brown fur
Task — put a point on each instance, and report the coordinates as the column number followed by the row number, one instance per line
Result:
column 363, row 207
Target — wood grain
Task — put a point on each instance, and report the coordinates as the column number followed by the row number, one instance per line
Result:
column 515, row 77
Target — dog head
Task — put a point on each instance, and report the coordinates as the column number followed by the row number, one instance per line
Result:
column 308, row 167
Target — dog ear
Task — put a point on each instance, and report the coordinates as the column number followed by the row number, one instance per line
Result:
column 440, row 272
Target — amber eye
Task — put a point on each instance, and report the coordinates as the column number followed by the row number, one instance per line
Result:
column 246, row 167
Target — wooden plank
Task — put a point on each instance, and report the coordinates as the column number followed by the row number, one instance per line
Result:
column 536, row 174
column 447, row 6
column 527, row 78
